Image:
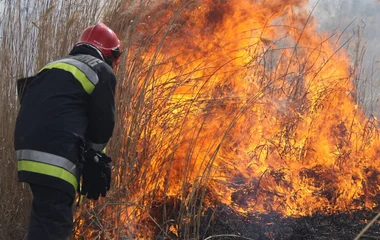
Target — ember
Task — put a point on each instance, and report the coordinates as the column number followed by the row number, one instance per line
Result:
column 244, row 122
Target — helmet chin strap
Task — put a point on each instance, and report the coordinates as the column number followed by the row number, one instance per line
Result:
column 109, row 61
column 92, row 47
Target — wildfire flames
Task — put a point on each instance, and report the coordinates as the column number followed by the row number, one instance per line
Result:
column 248, row 105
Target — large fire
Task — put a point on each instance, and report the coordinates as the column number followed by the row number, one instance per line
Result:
column 246, row 104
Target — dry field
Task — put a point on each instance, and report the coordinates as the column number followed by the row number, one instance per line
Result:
column 235, row 120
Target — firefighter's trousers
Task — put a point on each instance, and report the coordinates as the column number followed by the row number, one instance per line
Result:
column 51, row 216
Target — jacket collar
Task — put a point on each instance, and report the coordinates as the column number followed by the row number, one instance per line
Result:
column 83, row 49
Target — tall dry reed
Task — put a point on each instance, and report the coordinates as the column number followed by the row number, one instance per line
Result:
column 151, row 122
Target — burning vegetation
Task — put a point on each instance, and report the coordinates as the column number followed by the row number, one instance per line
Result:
column 240, row 110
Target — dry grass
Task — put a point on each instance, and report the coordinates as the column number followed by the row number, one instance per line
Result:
column 151, row 121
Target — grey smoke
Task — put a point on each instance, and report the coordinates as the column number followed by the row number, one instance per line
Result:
column 357, row 16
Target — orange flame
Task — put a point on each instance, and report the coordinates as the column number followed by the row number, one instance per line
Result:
column 247, row 100
column 263, row 108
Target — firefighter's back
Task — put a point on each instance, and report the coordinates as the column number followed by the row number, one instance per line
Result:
column 53, row 113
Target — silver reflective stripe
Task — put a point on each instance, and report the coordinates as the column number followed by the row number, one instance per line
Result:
column 98, row 146
column 48, row 158
column 89, row 72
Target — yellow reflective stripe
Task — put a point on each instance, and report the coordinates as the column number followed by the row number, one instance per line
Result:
column 83, row 67
column 50, row 170
column 47, row 158
column 78, row 74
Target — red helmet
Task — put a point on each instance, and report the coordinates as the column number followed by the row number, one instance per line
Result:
column 103, row 39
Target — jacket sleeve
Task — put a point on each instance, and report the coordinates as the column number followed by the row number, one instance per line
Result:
column 102, row 111
column 22, row 85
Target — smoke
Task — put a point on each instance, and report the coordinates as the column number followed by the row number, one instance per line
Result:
column 361, row 20
column 352, row 16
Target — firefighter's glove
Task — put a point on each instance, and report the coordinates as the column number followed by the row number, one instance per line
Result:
column 96, row 174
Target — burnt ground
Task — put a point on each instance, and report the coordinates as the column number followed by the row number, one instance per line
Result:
column 223, row 220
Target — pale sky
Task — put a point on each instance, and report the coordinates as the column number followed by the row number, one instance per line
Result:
column 365, row 14
column 339, row 14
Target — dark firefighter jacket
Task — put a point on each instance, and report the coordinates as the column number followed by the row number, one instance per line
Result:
column 69, row 99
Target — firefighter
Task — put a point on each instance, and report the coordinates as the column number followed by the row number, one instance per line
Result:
column 65, row 120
